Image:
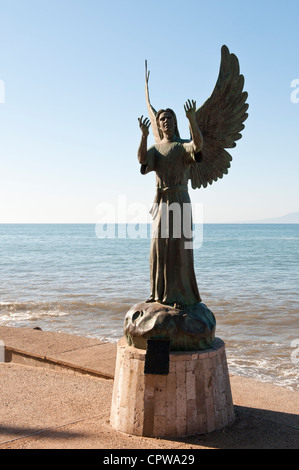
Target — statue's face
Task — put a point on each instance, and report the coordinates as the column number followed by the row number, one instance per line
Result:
column 166, row 123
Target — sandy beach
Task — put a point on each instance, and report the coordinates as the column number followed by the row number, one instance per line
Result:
column 56, row 394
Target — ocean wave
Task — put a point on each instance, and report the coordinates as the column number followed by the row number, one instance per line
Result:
column 14, row 312
column 281, row 373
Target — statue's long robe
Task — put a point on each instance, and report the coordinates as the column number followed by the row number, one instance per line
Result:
column 172, row 274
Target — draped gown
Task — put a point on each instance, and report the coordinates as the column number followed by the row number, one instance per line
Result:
column 172, row 273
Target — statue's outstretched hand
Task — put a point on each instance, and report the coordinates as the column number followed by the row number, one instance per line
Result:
column 190, row 108
column 144, row 125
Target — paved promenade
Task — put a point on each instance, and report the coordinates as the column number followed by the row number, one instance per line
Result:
column 56, row 393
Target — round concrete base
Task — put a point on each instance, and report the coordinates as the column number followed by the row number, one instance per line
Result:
column 193, row 398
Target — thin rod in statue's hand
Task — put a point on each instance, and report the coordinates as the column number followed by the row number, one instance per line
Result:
column 147, row 73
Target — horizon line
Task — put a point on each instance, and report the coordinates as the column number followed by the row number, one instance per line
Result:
column 149, row 223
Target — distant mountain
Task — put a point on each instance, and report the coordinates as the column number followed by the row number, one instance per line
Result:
column 292, row 218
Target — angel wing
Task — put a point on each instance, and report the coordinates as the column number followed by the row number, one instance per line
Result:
column 220, row 120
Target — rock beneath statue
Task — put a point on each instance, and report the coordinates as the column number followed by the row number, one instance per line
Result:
column 188, row 328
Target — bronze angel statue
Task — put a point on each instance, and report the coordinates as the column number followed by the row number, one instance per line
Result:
column 214, row 127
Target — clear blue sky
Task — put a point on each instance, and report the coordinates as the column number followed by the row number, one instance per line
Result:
column 73, row 72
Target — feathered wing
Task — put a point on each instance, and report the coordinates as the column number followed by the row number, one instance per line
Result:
column 220, row 120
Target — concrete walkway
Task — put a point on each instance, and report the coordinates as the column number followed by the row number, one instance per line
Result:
column 59, row 351
column 56, row 393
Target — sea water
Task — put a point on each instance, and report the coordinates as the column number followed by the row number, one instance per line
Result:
column 67, row 278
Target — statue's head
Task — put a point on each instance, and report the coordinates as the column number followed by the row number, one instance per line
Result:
column 167, row 122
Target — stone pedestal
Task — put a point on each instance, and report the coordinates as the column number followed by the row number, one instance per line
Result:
column 193, row 398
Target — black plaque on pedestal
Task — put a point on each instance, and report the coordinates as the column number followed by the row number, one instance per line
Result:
column 157, row 357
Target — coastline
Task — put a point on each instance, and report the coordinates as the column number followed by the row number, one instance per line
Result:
column 57, row 389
